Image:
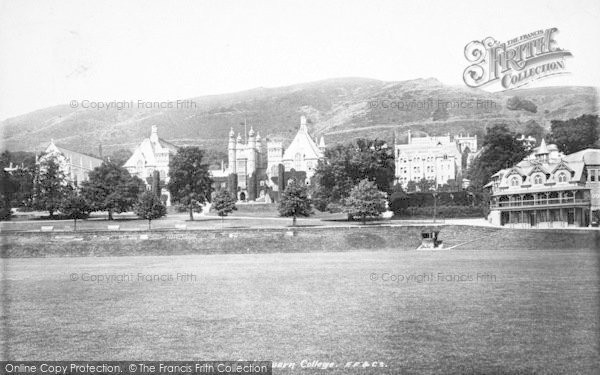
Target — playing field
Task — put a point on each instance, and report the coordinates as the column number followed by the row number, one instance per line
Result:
column 457, row 311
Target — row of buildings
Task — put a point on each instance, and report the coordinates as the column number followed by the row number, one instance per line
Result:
column 546, row 189
column 256, row 162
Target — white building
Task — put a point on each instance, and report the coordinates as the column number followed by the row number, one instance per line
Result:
column 547, row 189
column 153, row 154
column 254, row 158
column 75, row 165
column 302, row 155
column 438, row 158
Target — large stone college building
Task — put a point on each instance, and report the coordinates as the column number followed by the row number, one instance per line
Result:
column 439, row 159
column 254, row 168
column 547, row 190
column 74, row 165
column 152, row 154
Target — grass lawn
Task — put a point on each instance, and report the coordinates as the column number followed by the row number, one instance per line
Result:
column 539, row 315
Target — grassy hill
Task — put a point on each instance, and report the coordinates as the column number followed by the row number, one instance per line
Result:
column 340, row 109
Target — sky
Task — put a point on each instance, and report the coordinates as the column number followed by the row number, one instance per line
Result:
column 53, row 52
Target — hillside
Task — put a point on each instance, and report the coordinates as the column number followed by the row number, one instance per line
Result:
column 339, row 109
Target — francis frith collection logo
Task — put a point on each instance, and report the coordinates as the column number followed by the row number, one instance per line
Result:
column 514, row 63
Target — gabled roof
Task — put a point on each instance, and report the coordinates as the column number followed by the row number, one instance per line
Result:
column 562, row 165
column 148, row 149
column 74, row 157
column 304, row 144
column 537, row 168
column 515, row 170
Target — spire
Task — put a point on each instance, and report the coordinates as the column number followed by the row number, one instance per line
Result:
column 251, row 133
column 231, row 133
column 543, row 149
column 322, row 142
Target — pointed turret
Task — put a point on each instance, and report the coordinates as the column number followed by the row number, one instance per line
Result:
column 542, row 152
column 232, row 152
column 543, row 149
column 322, row 144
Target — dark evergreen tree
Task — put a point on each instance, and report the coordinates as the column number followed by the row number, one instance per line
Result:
column 576, row 134
column 295, row 201
column 501, row 149
column 150, row 207
column 75, row 207
column 50, row 187
column 346, row 165
column 365, row 200
column 190, row 182
column 111, row 188
column 224, row 203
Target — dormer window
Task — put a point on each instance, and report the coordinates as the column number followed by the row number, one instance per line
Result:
column 514, row 181
column 537, row 180
column 562, row 177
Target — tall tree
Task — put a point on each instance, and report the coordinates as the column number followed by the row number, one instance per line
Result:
column 7, row 189
column 156, row 186
column 295, row 202
column 149, row 207
column 535, row 130
column 365, row 200
column 346, row 165
column 224, row 203
column 576, row 134
column 190, row 182
column 501, row 149
column 50, row 187
column 111, row 188
column 75, row 207
column 22, row 178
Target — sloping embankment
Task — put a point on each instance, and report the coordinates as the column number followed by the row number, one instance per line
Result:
column 173, row 242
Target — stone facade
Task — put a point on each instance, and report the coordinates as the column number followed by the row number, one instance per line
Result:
column 75, row 165
column 439, row 159
column 254, row 167
column 152, row 154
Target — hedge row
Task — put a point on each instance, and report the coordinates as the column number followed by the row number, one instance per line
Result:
column 442, row 212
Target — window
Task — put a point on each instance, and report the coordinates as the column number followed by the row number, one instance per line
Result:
column 514, row 181
column 537, row 179
column 562, row 177
column 298, row 161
